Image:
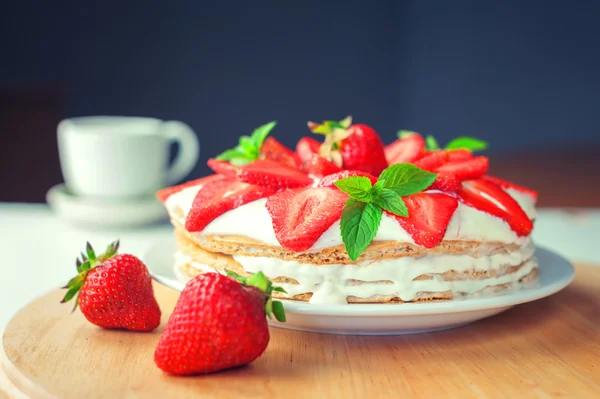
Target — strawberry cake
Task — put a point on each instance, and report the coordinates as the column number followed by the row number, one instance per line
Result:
column 345, row 219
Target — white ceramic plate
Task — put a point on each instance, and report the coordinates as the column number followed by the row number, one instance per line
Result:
column 394, row 318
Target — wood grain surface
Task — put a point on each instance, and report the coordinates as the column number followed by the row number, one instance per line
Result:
column 547, row 348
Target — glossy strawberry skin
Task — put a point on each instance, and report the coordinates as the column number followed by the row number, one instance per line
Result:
column 432, row 161
column 268, row 173
column 219, row 197
column 405, row 150
column 319, row 167
column 165, row 193
column 476, row 193
column 428, row 217
column 300, row 216
column 466, row 170
column 217, row 324
column 328, row 180
column 363, row 150
column 222, row 167
column 459, row 155
column 305, row 149
column 118, row 294
column 447, row 182
column 507, row 184
column 275, row 151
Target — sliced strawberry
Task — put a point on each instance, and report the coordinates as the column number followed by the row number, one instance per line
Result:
column 507, row 184
column 165, row 193
column 222, row 167
column 328, row 181
column 306, row 147
column 490, row 198
column 466, row 170
column 265, row 172
column 300, row 216
column 218, row 197
column 275, row 151
column 405, row 150
column 446, row 181
column 459, row 155
column 319, row 167
column 428, row 217
column 432, row 161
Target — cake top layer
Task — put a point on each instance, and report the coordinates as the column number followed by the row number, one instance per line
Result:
column 352, row 180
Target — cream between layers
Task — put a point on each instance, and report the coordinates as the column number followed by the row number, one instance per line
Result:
column 253, row 220
column 333, row 283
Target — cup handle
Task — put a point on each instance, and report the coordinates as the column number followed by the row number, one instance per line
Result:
column 188, row 150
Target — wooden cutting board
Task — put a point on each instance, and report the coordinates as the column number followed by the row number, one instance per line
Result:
column 547, row 348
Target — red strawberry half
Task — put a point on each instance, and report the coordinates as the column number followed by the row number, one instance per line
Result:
column 459, row 155
column 428, row 217
column 490, row 198
column 275, row 151
column 305, row 149
column 222, row 167
column 466, row 170
column 507, row 184
column 265, row 172
column 319, row 167
column 165, row 193
column 446, row 181
column 328, row 181
column 220, row 196
column 432, row 161
column 405, row 150
column 300, row 216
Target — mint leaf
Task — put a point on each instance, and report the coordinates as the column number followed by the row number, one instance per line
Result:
column 392, row 202
column 237, row 156
column 358, row 226
column 467, row 143
column 357, row 187
column 404, row 133
column 431, row 143
column 406, row 179
column 376, row 189
column 248, row 148
column 260, row 134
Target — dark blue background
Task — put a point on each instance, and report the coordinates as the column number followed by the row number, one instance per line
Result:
column 516, row 73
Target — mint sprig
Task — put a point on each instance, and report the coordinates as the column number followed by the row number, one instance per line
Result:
column 467, row 143
column 363, row 211
column 248, row 148
column 459, row 143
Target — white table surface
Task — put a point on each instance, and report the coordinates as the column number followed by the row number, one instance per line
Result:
column 39, row 249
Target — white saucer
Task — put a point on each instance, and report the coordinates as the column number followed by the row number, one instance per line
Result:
column 94, row 213
column 389, row 319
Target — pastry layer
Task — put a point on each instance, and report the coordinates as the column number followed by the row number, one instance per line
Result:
column 456, row 269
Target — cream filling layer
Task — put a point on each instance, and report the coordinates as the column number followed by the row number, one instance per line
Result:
column 331, row 284
column 253, row 220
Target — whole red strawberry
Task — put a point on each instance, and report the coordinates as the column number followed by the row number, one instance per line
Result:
column 355, row 147
column 114, row 291
column 218, row 323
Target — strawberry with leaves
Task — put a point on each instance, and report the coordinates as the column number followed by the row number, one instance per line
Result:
column 351, row 146
column 219, row 322
column 114, row 291
column 254, row 147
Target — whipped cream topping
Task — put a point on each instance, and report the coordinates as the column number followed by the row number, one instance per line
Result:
column 253, row 220
column 331, row 284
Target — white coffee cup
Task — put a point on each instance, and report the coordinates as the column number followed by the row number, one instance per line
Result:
column 120, row 157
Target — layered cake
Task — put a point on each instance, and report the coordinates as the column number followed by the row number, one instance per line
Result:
column 345, row 219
